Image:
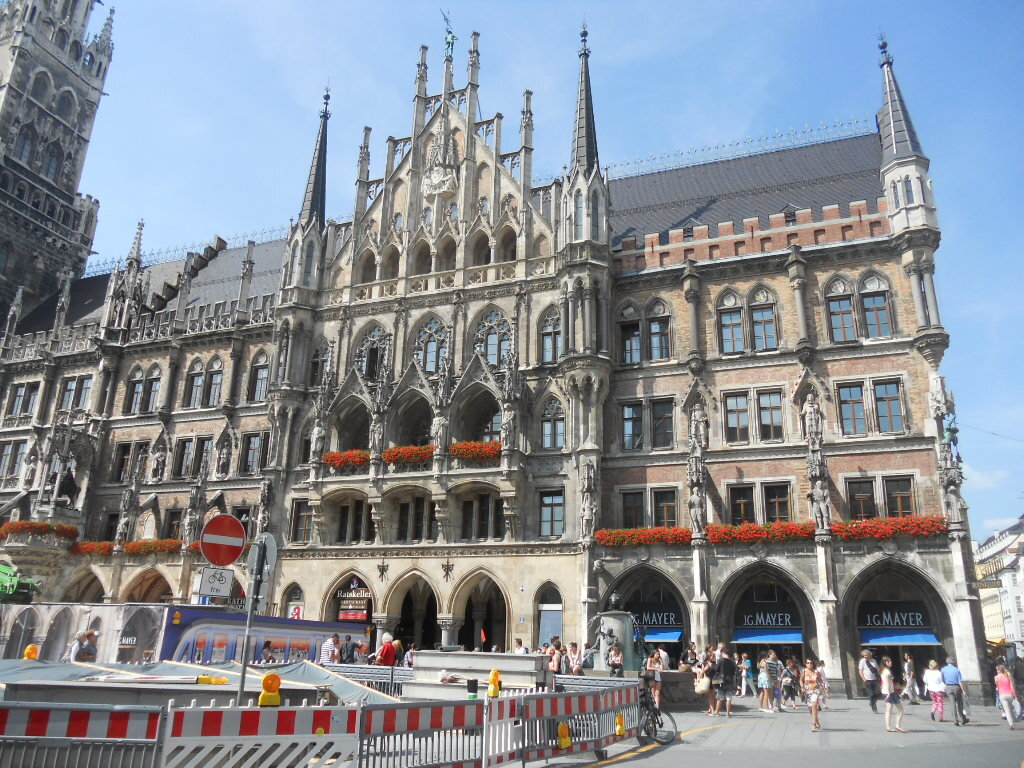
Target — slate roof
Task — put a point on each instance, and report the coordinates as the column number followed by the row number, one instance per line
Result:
column 899, row 139
column 829, row 173
column 85, row 306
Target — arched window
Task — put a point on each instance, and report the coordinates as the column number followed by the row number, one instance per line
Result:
column 762, row 321
column 552, row 425
column 577, row 216
column 453, row 213
column 40, row 86
column 658, row 339
column 214, row 380
column 194, row 386
column 24, row 145
column 550, row 336
column 490, row 427
column 895, row 195
column 133, row 392
column 494, row 337
column 307, row 268
column 367, row 271
column 5, row 182
column 431, row 345
column 317, row 366
column 51, row 161
column 730, row 324
column 88, row 61
column 908, row 190
column 61, row 39
column 595, row 217
column 294, row 602
column 370, row 353
column 151, row 393
column 874, row 302
column 839, row 301
column 293, row 263
column 76, row 51
column 259, row 378
column 5, row 255
column 65, row 105
column 428, row 214
column 399, row 222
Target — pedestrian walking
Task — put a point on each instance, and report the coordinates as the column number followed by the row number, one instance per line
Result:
column 1007, row 693
column 724, row 672
column 810, row 686
column 956, row 689
column 824, row 689
column 775, row 668
column 745, row 675
column 868, row 669
column 655, row 667
column 329, row 650
column 909, row 679
column 790, row 682
column 936, row 689
column 764, row 685
column 892, row 698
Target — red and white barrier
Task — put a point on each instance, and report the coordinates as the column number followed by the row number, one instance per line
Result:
column 276, row 721
column 398, row 718
column 80, row 723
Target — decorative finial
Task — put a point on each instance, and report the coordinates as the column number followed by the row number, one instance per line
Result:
column 883, row 46
column 583, row 39
column 449, row 36
column 327, row 99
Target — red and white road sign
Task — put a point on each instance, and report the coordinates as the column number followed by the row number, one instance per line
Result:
column 222, row 540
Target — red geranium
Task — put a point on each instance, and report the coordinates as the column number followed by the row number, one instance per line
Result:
column 38, row 529
column 354, row 458
column 475, row 450
column 889, row 527
column 630, row 537
column 92, row 548
column 408, row 454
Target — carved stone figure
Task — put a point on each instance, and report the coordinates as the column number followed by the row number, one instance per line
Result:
column 189, row 527
column 508, row 427
column 282, row 357
column 698, row 429
column 953, row 505
column 589, row 485
column 376, row 434
column 696, row 507
column 317, row 440
column 223, row 459
column 821, row 506
column 122, row 529
column 263, row 511
column 438, row 430
column 811, row 420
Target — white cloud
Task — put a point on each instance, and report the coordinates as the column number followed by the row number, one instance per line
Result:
column 984, row 480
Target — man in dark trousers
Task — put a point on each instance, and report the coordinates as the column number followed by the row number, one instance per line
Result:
column 348, row 651
column 724, row 669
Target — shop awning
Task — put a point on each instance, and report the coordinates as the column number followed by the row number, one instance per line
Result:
column 767, row 635
column 894, row 636
column 662, row 635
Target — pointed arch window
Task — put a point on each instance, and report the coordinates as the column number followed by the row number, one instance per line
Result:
column 595, row 217
column 895, row 194
column 730, row 324
column 762, row 321
column 370, row 354
column 293, row 267
column 908, row 190
column 308, row 268
column 428, row 214
column 133, row 392
column 490, row 428
column 151, row 392
column 874, row 301
column 839, row 302
column 259, row 378
column 194, row 386
column 494, row 337
column 577, row 216
column 552, row 424
column 214, row 382
column 24, row 146
column 658, row 338
column 40, row 86
column 551, row 337
column 51, row 161
column 432, row 345
column 317, row 366
column 65, row 105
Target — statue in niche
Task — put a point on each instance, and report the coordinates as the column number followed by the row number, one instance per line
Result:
column 953, row 504
column 224, row 458
column 811, row 421
column 438, row 429
column 821, row 506
column 698, row 429
column 696, row 507
column 263, row 510
column 282, row 358
column 508, row 426
column 588, row 502
column 317, row 440
column 376, row 434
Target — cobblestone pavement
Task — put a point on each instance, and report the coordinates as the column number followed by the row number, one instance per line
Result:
column 849, row 730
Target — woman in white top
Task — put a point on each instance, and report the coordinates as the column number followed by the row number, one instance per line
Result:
column 575, row 660
column 654, row 665
column 891, row 698
column 935, row 688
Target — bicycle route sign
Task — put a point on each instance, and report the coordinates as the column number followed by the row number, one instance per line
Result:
column 216, row 582
column 222, row 540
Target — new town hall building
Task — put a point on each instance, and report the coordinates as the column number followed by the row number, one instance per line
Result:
column 438, row 405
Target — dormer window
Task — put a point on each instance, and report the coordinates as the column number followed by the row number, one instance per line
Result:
column 790, row 218
column 687, row 234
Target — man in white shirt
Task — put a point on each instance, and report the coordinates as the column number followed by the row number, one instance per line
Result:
column 329, row 650
column 868, row 669
column 664, row 657
column 519, row 650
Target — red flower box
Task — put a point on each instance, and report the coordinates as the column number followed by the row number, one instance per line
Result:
column 631, row 537
column 408, row 454
column 38, row 529
column 354, row 458
column 889, row 527
column 92, row 548
column 475, row 450
column 145, row 547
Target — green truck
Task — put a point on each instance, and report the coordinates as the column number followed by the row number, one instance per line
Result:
column 15, row 588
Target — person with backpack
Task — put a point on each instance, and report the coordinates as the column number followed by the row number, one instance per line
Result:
column 868, row 669
column 84, row 649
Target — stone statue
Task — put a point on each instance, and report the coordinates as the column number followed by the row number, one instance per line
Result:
column 696, row 507
column 376, row 434
column 282, row 358
column 438, row 429
column 589, row 486
column 263, row 511
column 223, row 459
column 953, row 504
column 159, row 461
column 508, row 426
column 811, row 420
column 821, row 506
column 317, row 441
column 122, row 529
column 698, row 429
column 189, row 527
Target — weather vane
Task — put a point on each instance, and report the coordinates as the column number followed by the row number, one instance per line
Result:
column 449, row 36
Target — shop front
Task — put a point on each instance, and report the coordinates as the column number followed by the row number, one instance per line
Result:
column 767, row 618
column 658, row 611
column 896, row 627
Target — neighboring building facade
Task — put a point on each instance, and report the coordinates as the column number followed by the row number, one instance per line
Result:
column 51, row 82
column 755, row 339
column 1001, row 588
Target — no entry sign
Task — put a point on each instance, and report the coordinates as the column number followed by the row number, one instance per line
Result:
column 222, row 540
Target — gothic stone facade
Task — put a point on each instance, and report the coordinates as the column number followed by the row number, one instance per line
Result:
column 696, row 345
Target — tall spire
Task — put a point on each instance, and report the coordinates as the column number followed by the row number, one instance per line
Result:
column 584, row 137
column 895, row 130
column 135, row 255
column 314, row 204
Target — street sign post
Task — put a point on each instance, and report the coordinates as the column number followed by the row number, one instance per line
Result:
column 222, row 540
column 216, row 582
column 269, row 564
column 261, row 562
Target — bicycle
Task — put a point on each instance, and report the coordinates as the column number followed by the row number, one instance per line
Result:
column 655, row 724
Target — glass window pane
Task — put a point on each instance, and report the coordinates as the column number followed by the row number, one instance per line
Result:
column 770, row 415
column 741, row 505
column 732, row 331
column 764, row 329
column 737, row 428
column 633, row 509
column 889, row 407
column 851, row 409
column 661, row 416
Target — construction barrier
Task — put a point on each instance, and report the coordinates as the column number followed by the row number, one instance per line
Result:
column 36, row 735
column 421, row 734
column 564, row 724
column 285, row 737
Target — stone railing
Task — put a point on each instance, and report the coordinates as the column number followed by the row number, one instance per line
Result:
column 404, row 467
column 36, row 541
column 456, row 463
column 21, row 420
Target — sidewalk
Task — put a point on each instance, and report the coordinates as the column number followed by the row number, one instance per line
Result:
column 847, row 724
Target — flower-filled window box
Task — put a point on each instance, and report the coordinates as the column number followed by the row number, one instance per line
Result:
column 476, row 453
column 408, row 454
column 144, row 547
column 32, row 528
column 890, row 527
column 347, row 462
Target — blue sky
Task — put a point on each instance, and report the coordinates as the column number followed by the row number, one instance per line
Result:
column 211, row 113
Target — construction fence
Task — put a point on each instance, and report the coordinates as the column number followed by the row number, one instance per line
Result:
column 516, row 728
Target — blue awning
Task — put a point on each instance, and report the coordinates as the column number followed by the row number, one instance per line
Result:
column 662, row 635
column 894, row 636
column 767, row 635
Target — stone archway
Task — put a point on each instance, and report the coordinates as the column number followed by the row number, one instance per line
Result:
column 892, row 608
column 660, row 611
column 58, row 633
column 483, row 610
column 86, row 589
column 149, row 587
column 23, row 632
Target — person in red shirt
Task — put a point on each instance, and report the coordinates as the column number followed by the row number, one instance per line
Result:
column 386, row 653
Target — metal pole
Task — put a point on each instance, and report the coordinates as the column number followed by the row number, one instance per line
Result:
column 255, row 586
